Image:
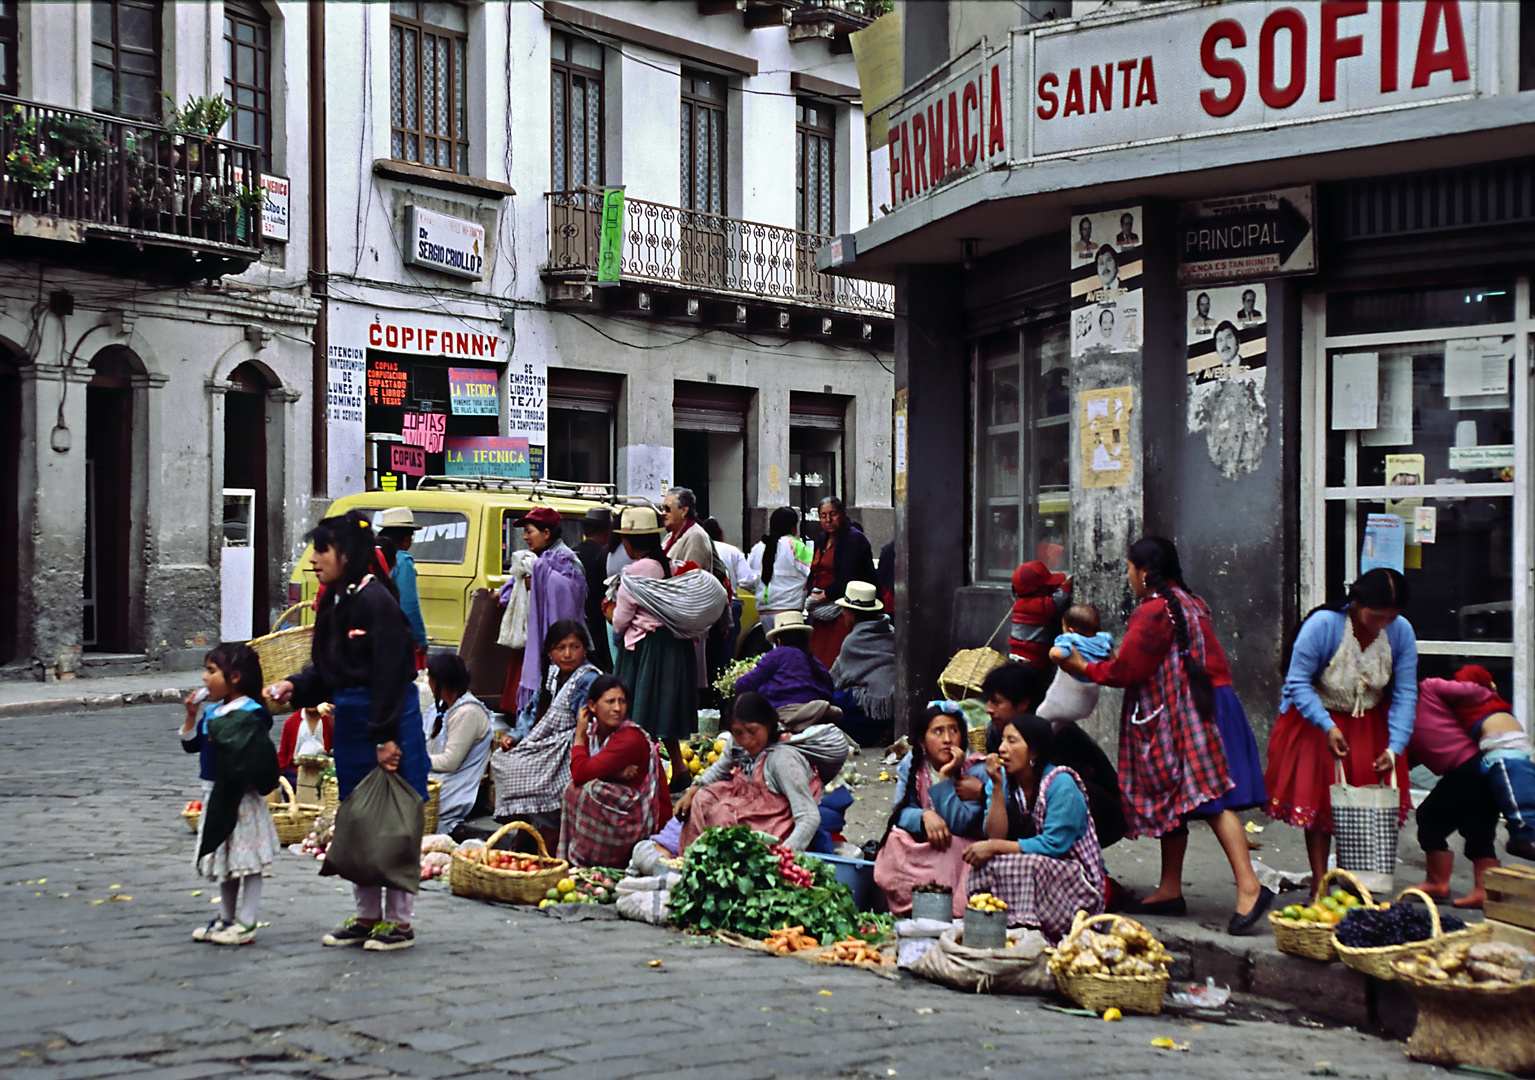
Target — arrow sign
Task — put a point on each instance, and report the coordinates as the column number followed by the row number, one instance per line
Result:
column 1247, row 237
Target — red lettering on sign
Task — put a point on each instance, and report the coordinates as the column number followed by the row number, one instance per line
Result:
column 919, row 151
column 491, row 341
column 1452, row 57
column 477, row 344
column 906, row 188
column 998, row 140
column 1049, row 102
column 1390, row 21
column 1218, row 68
column 891, row 139
column 935, row 142
column 375, row 335
column 1074, row 104
column 392, row 337
column 1146, row 88
column 955, row 160
column 1277, row 97
column 970, row 98
column 1126, row 68
column 1333, row 48
column 431, row 339
column 1102, row 88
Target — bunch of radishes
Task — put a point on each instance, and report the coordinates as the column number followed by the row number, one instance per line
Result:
column 791, row 871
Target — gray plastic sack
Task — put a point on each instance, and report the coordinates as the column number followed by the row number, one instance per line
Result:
column 378, row 834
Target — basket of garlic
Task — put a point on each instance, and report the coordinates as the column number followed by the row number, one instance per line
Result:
column 1120, row 966
column 1476, row 1005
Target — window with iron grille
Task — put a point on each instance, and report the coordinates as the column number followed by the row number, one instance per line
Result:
column 248, row 77
column 8, row 44
column 576, row 113
column 125, row 58
column 703, row 142
column 815, row 136
column 429, row 84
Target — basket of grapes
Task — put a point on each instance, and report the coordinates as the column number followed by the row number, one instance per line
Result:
column 1371, row 939
column 1306, row 929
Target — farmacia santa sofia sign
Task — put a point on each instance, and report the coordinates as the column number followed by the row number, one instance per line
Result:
column 1181, row 72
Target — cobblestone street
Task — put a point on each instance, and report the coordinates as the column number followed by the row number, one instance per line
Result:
column 99, row 977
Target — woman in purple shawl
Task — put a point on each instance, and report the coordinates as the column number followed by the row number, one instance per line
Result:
column 557, row 590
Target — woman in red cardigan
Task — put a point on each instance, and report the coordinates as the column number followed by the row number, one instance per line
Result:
column 1186, row 749
column 305, row 732
column 618, row 794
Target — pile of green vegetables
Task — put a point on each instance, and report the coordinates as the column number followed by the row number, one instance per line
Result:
column 731, row 881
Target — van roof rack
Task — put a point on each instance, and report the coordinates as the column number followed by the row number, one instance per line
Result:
column 568, row 489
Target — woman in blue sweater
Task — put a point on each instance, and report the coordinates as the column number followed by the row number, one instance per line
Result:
column 1350, row 698
column 1041, row 855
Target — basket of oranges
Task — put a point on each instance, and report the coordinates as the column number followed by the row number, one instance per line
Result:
column 1306, row 929
column 491, row 873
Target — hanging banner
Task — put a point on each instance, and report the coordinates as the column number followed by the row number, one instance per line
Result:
column 487, row 455
column 472, row 391
column 610, row 256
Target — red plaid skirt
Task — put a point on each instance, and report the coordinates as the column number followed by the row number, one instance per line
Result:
column 602, row 821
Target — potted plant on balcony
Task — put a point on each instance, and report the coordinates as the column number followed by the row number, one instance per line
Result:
column 199, row 121
column 28, row 162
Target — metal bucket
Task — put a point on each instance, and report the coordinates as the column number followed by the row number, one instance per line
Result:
column 985, row 929
column 932, row 905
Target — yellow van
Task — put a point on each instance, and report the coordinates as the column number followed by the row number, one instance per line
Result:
column 464, row 538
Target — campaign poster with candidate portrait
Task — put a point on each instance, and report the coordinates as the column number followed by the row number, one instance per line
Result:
column 1227, row 334
column 1106, row 312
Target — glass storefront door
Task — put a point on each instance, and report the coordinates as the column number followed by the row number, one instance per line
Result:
column 1416, row 439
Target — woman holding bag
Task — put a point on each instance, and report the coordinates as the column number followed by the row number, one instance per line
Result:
column 363, row 660
column 1349, row 702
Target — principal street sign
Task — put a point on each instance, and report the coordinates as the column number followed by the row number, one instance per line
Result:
column 1246, row 237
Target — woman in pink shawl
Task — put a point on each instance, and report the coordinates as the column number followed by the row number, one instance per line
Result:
column 939, row 812
column 556, row 590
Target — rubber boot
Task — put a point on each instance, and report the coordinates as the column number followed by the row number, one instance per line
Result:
column 1439, row 865
column 1478, row 894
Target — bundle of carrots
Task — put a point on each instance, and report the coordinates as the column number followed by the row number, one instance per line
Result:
column 854, row 951
column 789, row 939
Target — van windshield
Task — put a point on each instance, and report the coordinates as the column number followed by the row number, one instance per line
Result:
column 442, row 536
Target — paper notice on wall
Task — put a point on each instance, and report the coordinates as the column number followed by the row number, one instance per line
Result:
column 1394, row 408
column 527, row 401
column 646, row 470
column 1355, row 391
column 900, row 445
column 1403, row 470
column 1474, row 367
column 1106, row 298
column 1425, row 524
column 1385, row 543
column 1105, row 428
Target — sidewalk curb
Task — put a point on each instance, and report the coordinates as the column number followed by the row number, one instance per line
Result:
column 93, row 702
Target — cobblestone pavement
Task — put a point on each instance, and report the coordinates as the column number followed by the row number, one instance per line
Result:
column 99, row 978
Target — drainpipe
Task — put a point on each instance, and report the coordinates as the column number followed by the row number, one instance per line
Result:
column 319, row 248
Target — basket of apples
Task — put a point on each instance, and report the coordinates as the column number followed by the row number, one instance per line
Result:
column 491, row 873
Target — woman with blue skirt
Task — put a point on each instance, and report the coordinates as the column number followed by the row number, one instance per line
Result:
column 363, row 660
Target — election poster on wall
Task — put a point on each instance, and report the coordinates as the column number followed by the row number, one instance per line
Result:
column 1227, row 330
column 1106, row 313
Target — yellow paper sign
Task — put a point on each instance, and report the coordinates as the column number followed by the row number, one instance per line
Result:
column 878, row 51
column 899, row 445
column 1105, row 424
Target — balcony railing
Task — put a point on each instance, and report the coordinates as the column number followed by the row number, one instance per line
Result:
column 667, row 245
column 129, row 180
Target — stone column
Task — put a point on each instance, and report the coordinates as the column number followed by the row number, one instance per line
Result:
column 58, row 521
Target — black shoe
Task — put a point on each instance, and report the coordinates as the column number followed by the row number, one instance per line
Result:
column 1175, row 907
column 1241, row 924
column 1522, row 848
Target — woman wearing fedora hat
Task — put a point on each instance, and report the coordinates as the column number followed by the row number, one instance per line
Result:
column 864, row 673
column 659, row 667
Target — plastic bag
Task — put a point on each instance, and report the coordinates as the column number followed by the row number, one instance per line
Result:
column 651, row 906
column 1021, row 968
column 1208, row 996
column 438, row 842
column 378, row 834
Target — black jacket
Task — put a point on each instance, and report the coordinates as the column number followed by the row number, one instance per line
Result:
column 594, row 564
column 852, row 560
column 361, row 639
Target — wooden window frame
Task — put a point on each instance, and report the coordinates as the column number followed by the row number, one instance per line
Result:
column 10, row 36
column 691, row 102
column 803, row 134
column 156, row 8
column 595, row 77
column 251, row 14
column 403, row 127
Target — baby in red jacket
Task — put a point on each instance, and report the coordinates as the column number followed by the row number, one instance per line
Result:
column 1040, row 598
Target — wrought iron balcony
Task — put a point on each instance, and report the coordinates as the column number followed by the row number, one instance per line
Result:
column 690, row 249
column 85, row 178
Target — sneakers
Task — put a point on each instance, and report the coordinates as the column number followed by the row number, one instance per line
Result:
column 350, row 932
column 234, row 933
column 205, row 933
column 388, row 936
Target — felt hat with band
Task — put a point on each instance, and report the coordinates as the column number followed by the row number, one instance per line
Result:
column 639, row 521
column 785, row 621
column 860, row 596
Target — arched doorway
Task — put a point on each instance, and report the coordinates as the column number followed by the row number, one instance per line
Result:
column 109, row 501
column 10, row 494
column 245, row 470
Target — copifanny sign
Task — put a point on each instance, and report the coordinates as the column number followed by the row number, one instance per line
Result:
column 449, row 244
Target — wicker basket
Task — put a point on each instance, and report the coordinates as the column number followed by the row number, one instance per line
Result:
column 330, row 799
column 1128, row 993
column 1483, row 1025
column 964, row 674
column 1313, row 940
column 292, row 818
column 1377, row 961
column 468, row 876
column 284, row 652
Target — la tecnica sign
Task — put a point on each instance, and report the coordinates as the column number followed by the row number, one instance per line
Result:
column 472, row 391
column 487, row 455
column 450, row 244
column 1245, row 237
column 953, row 126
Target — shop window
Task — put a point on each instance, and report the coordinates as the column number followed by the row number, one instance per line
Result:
column 583, row 406
column 411, row 399
column 1021, row 491
column 1414, row 416
column 248, row 76
column 576, row 112
column 8, row 47
column 429, row 84
column 125, row 58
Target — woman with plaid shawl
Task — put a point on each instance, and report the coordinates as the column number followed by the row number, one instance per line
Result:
column 1186, row 749
column 1041, row 855
column 617, row 794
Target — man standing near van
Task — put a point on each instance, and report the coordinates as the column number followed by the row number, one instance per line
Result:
column 596, row 531
column 399, row 525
